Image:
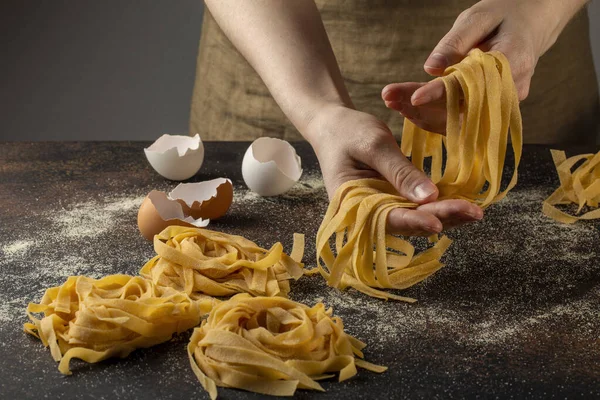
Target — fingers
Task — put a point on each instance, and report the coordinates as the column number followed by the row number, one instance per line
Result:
column 430, row 116
column 432, row 218
column 453, row 213
column 433, row 92
column 472, row 27
column 408, row 180
column 408, row 222
column 400, row 92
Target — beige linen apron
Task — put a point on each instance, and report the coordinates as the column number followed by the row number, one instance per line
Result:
column 377, row 42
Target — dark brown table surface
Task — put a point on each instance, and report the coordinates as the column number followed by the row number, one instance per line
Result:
column 514, row 313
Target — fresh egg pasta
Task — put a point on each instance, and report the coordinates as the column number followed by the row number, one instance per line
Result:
column 581, row 187
column 365, row 257
column 94, row 319
column 204, row 262
column 273, row 346
column 477, row 132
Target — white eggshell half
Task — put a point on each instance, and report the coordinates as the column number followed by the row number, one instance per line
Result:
column 176, row 157
column 197, row 192
column 271, row 166
column 169, row 209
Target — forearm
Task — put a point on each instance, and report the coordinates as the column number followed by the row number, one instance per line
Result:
column 564, row 11
column 286, row 43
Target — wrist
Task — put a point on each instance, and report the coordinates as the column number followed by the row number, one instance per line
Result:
column 320, row 127
column 314, row 123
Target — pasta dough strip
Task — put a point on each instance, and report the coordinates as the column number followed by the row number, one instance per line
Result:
column 581, row 187
column 475, row 143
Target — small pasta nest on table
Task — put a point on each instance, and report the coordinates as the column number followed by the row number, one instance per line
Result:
column 95, row 319
column 272, row 345
column 203, row 262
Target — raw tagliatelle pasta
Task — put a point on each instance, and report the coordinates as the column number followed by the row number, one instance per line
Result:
column 94, row 319
column 272, row 345
column 475, row 147
column 367, row 258
column 476, row 133
column 204, row 262
column 581, row 187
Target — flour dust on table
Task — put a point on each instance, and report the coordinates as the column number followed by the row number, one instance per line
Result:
column 66, row 244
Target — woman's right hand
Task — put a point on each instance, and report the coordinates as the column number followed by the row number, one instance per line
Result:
column 354, row 145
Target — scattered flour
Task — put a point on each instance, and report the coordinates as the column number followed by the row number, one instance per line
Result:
column 17, row 248
column 504, row 304
column 310, row 185
column 92, row 219
column 68, row 244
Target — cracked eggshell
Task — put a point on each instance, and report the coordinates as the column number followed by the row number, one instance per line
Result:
column 176, row 157
column 159, row 211
column 206, row 200
column 271, row 166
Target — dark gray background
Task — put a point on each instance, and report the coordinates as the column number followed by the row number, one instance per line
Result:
column 106, row 70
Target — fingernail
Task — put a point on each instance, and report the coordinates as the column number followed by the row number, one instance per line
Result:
column 477, row 215
column 436, row 61
column 385, row 94
column 424, row 190
column 420, row 100
column 396, row 105
column 433, row 228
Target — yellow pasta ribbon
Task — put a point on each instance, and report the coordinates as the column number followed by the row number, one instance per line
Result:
column 273, row 346
column 203, row 262
column 94, row 319
column 475, row 145
column 476, row 140
column 581, row 187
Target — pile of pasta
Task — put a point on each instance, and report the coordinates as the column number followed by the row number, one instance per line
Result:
column 94, row 319
column 475, row 148
column 203, row 262
column 581, row 187
column 266, row 344
column 272, row 345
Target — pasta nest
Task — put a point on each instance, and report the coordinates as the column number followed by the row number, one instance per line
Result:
column 203, row 262
column 94, row 319
column 580, row 186
column 366, row 258
column 273, row 346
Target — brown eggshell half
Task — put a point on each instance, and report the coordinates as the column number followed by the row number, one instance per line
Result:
column 158, row 211
column 206, row 200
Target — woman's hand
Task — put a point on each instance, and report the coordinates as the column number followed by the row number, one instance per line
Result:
column 353, row 145
column 522, row 30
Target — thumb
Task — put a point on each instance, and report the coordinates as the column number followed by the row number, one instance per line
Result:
column 471, row 28
column 409, row 181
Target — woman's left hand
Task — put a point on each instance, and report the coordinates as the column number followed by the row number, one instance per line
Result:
column 521, row 30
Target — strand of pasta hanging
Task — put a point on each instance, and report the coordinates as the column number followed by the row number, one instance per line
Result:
column 476, row 140
column 204, row 262
column 272, row 345
column 580, row 187
column 476, row 134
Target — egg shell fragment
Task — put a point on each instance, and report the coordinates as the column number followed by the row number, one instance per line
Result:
column 158, row 211
column 176, row 157
column 206, row 200
column 271, row 166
